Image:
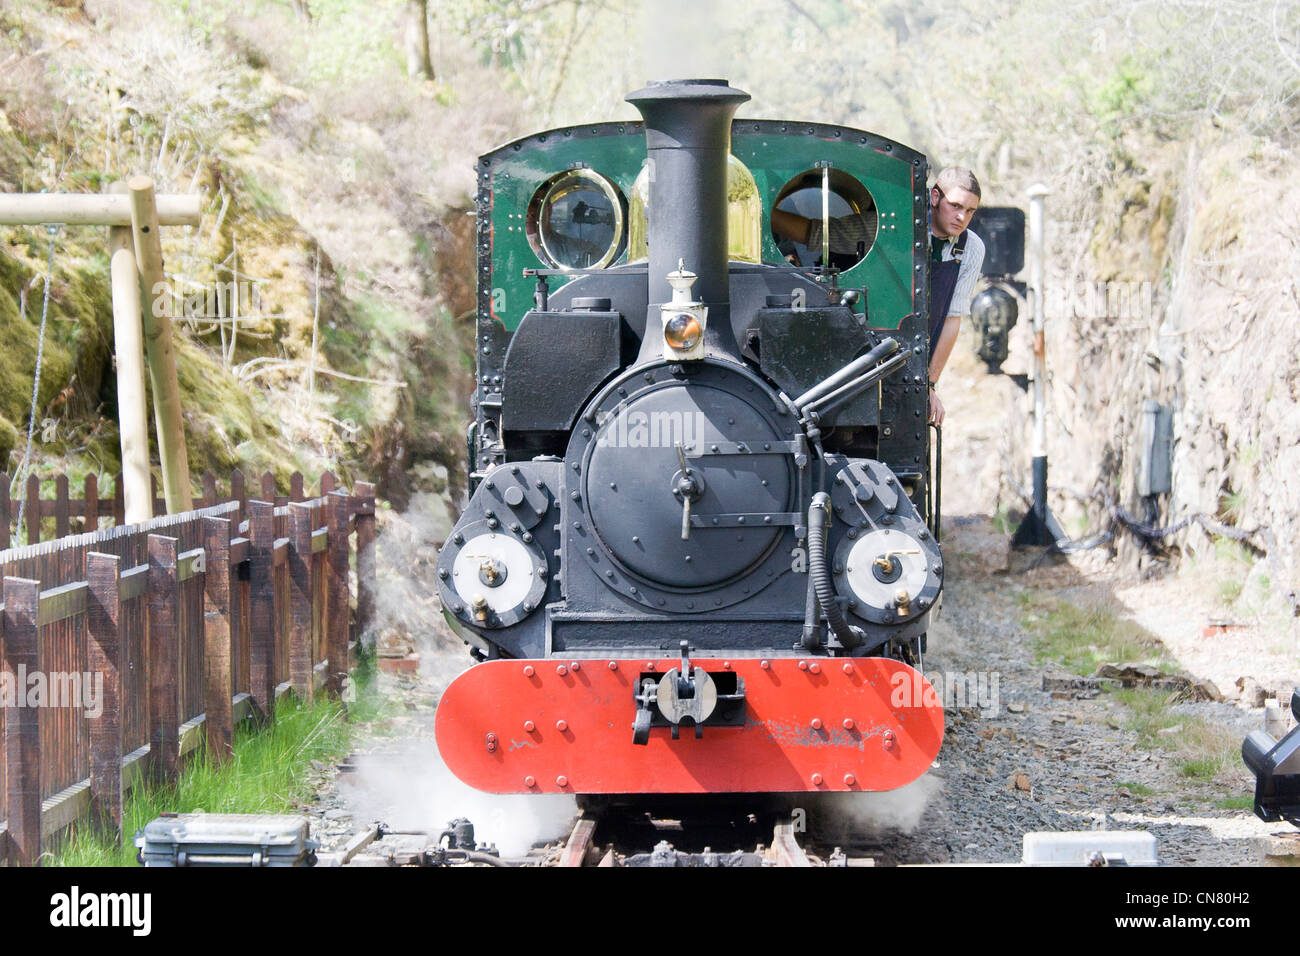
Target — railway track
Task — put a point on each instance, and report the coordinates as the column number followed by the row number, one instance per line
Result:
column 616, row 836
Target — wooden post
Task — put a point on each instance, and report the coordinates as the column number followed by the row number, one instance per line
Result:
column 128, row 349
column 33, row 515
column 336, row 600
column 90, row 502
column 218, row 686
column 365, row 510
column 62, row 513
column 209, row 489
column 4, row 512
column 20, row 656
column 78, row 209
column 164, row 658
column 104, row 650
column 237, row 494
column 300, row 603
column 261, row 605
column 119, row 502
column 158, row 347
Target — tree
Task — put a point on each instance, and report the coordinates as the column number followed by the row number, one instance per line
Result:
column 416, row 40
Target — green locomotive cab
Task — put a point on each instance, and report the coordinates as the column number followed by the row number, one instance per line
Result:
column 563, row 220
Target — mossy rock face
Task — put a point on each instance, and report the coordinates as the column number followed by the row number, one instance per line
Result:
column 18, row 344
column 9, row 440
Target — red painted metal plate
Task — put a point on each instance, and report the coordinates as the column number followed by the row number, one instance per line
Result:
column 543, row 726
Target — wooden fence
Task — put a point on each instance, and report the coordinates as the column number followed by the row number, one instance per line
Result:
column 85, row 513
column 122, row 650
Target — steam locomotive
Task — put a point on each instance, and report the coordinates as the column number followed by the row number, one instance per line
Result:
column 700, row 496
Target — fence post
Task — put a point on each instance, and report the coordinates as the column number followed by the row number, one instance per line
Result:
column 209, row 489
column 336, row 601
column 295, row 486
column 261, row 605
column 4, row 511
column 62, row 513
column 104, row 658
column 33, row 515
column 164, row 664
column 219, row 724
column 365, row 510
column 300, row 600
column 90, row 499
column 119, row 502
column 22, row 743
column 237, row 494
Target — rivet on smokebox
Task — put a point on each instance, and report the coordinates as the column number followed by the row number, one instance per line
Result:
column 848, row 723
column 530, row 781
column 561, row 670
column 561, row 781
column 816, row 723
column 491, row 743
column 766, row 665
column 803, row 665
column 575, row 666
column 848, row 668
column 612, row 665
column 816, row 780
column 888, row 740
column 561, row 725
column 528, row 670
column 814, row 668
column 850, row 780
column 726, row 665
column 529, row 726
column 649, row 665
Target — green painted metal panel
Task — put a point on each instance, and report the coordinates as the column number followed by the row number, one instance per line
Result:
column 774, row 153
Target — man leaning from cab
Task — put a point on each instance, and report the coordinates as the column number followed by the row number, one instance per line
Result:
column 956, row 256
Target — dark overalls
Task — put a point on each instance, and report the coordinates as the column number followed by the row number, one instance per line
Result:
column 943, row 283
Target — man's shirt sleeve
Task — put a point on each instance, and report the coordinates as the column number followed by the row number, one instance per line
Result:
column 971, row 263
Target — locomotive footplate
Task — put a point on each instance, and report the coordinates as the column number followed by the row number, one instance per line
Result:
column 796, row 724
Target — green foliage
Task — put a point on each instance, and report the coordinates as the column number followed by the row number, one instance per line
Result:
column 1136, row 789
column 1118, row 96
column 1244, row 801
column 1202, row 750
column 268, row 774
column 1081, row 638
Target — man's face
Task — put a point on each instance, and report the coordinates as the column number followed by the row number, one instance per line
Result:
column 951, row 210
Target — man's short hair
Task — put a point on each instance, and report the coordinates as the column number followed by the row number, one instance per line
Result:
column 958, row 177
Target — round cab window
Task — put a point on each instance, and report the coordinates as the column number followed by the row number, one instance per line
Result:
column 797, row 220
column 575, row 221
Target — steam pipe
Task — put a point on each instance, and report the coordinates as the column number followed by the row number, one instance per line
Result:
column 886, row 348
column 818, row 516
column 854, row 388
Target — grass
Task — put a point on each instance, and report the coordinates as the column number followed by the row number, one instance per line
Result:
column 270, row 773
column 1136, row 789
column 1244, row 801
column 1081, row 638
column 1201, row 750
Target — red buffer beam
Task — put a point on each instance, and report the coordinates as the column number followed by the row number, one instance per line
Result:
column 824, row 724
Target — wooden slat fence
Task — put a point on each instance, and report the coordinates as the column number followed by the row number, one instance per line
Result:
column 151, row 638
column 57, row 517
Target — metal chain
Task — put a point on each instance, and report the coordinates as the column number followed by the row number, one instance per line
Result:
column 52, row 229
